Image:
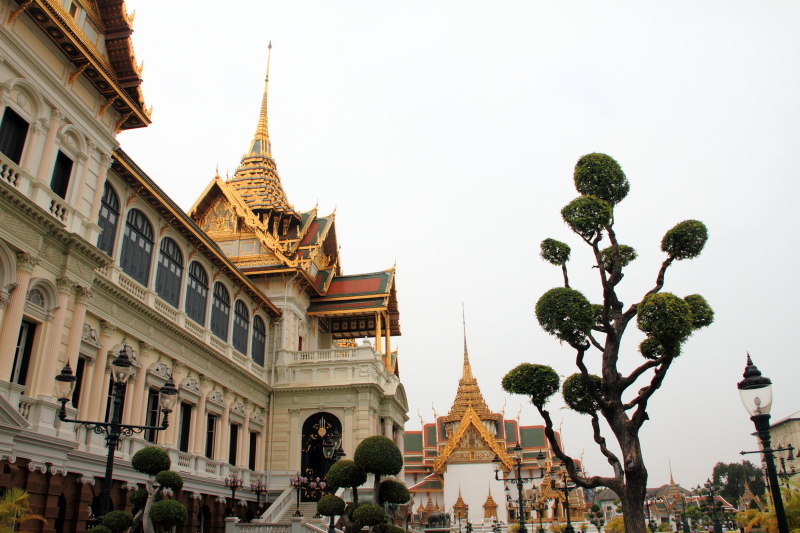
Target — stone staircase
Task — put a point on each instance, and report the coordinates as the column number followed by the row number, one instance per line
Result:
column 309, row 509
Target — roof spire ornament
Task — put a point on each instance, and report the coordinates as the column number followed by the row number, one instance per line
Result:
column 261, row 144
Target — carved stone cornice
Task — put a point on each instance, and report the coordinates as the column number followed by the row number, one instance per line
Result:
column 64, row 284
column 106, row 328
column 86, row 480
column 26, row 261
column 83, row 295
column 34, row 466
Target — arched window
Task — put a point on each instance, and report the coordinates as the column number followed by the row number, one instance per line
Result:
column 220, row 311
column 197, row 293
column 109, row 213
column 36, row 297
column 241, row 325
column 13, row 133
column 170, row 271
column 137, row 247
column 259, row 343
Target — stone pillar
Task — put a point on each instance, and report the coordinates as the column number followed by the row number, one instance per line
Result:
column 262, row 461
column 295, row 436
column 84, row 159
column 88, row 378
column 399, row 439
column 46, row 367
column 179, row 372
column 105, row 163
column 202, row 419
column 49, row 153
column 348, row 430
column 99, row 385
column 82, row 298
column 388, row 428
column 243, row 454
column 224, row 433
column 31, row 147
column 135, row 399
column 12, row 319
column 378, row 331
column 388, row 329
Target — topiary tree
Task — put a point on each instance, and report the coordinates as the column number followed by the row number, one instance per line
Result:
column 154, row 510
column 378, row 456
column 595, row 331
column 597, row 517
column 118, row 521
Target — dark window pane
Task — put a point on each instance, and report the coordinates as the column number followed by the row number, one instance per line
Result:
column 211, row 427
column 220, row 311
column 186, row 427
column 61, row 173
column 151, row 416
column 137, row 247
column 196, row 293
column 13, row 132
column 251, row 460
column 234, row 444
column 259, row 341
column 22, row 355
column 241, row 325
column 170, row 271
column 109, row 213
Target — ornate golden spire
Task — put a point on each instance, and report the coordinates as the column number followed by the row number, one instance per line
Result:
column 261, row 145
column 469, row 394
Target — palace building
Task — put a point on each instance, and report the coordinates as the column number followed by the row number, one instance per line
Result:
column 242, row 301
column 450, row 466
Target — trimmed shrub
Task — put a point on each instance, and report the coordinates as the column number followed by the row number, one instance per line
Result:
column 168, row 513
column 577, row 396
column 379, row 455
column 370, row 514
column 393, row 491
column 151, row 460
column 330, row 505
column 118, row 521
column 566, row 314
column 539, row 382
column 345, row 473
column 169, row 479
column 686, row 240
column 99, row 529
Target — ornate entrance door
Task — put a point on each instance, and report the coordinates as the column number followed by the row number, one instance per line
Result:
column 314, row 466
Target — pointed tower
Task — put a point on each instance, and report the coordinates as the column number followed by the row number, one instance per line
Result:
column 256, row 179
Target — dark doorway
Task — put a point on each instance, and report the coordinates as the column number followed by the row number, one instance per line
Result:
column 313, row 462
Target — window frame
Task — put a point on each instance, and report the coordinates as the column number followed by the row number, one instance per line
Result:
column 194, row 296
column 108, row 233
column 135, row 260
column 259, row 340
column 220, row 311
column 241, row 326
column 169, row 272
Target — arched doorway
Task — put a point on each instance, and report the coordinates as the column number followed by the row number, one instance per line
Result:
column 312, row 461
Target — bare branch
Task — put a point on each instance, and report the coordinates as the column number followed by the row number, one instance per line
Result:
column 594, row 341
column 566, row 278
column 627, row 381
column 640, row 415
column 596, row 396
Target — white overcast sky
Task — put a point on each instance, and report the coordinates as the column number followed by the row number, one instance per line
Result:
column 445, row 133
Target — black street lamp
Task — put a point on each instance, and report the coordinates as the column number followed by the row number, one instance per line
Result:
column 756, row 393
column 540, row 508
column 297, row 482
column 712, row 499
column 684, row 519
column 233, row 482
column 520, row 481
column 113, row 430
column 566, row 487
column 258, row 487
column 650, row 524
column 332, row 450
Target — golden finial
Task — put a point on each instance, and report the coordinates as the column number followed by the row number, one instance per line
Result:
column 261, row 145
column 421, row 422
column 435, row 416
column 519, row 413
column 216, row 175
column 671, row 479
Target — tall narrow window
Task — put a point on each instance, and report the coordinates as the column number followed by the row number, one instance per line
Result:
column 61, row 173
column 186, row 427
column 197, row 293
column 220, row 311
column 170, row 271
column 13, row 132
column 76, row 392
column 233, row 446
column 22, row 355
column 110, row 401
column 251, row 460
column 137, row 247
column 259, row 344
column 151, row 416
column 241, row 326
column 109, row 213
column 211, row 430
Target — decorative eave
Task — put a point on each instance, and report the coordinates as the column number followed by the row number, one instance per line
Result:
column 119, row 82
column 136, row 179
column 471, row 418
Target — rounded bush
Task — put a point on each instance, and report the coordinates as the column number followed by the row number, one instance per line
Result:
column 391, row 528
column 393, row 491
column 370, row 515
column 555, row 252
column 99, row 529
column 566, row 314
column 539, row 382
column 345, row 473
column 587, row 215
column 118, row 521
column 168, row 513
column 686, row 240
column 626, row 255
column 169, row 479
column 330, row 505
column 151, row 460
column 378, row 455
column 138, row 497
column 651, row 348
column 702, row 314
column 665, row 317
column 600, row 175
column 577, row 396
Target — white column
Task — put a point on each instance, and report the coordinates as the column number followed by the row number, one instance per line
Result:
column 243, row 454
column 49, row 153
column 82, row 298
column 12, row 318
column 105, row 163
column 224, row 433
column 48, row 362
column 99, row 384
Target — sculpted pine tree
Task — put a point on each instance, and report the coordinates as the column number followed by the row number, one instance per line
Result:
column 596, row 330
column 154, row 511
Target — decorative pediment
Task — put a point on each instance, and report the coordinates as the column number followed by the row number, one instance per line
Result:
column 217, row 398
column 471, row 442
column 220, row 218
column 191, row 385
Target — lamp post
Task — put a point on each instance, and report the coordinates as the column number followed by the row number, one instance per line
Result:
column 566, row 487
column 712, row 498
column 683, row 518
column 540, row 507
column 113, row 429
column 332, row 450
column 297, row 482
column 520, row 481
column 233, row 482
column 756, row 393
column 258, row 487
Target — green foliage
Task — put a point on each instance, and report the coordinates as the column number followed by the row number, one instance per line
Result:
column 665, row 526
column 587, row 215
column 601, row 176
column 169, row 479
column 616, row 525
column 557, row 527
column 732, row 479
column 686, row 240
column 702, row 314
column 577, row 396
column 378, row 455
column 345, row 473
column 391, row 528
column 118, row 521
column 566, row 314
column 330, row 505
column 95, row 529
column 555, row 252
column 15, row 509
column 626, row 256
column 138, row 497
column 666, row 318
column 370, row 514
column 168, row 513
column 651, row 348
column 151, row 460
column 393, row 491
column 539, row 382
